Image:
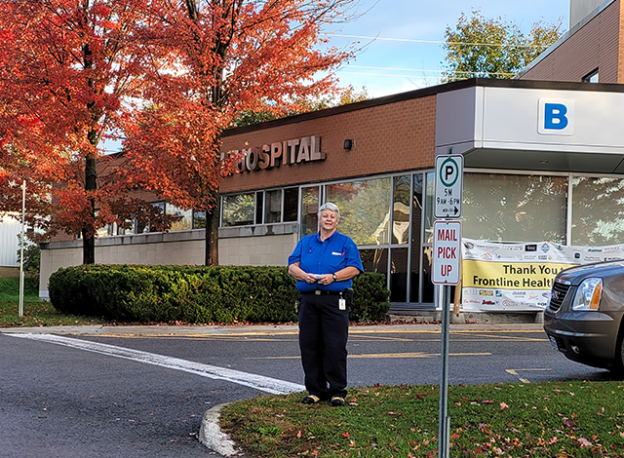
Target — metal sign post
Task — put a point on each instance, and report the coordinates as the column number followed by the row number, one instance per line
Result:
column 446, row 268
column 23, row 241
column 443, row 418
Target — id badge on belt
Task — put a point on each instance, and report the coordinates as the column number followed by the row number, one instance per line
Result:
column 342, row 303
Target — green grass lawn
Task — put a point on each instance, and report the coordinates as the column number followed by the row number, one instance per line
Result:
column 35, row 313
column 554, row 420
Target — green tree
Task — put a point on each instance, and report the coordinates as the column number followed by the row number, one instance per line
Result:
column 493, row 48
column 342, row 96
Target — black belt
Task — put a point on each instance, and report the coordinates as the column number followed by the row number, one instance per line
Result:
column 320, row 292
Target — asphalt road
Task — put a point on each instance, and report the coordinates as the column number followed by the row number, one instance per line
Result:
column 142, row 393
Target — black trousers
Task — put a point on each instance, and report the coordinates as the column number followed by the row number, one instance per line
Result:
column 323, row 334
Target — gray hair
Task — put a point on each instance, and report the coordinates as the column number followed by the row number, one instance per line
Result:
column 329, row 206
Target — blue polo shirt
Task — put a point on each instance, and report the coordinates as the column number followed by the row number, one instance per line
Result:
column 316, row 257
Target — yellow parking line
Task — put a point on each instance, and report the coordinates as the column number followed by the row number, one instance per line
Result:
column 524, row 380
column 414, row 355
column 387, row 355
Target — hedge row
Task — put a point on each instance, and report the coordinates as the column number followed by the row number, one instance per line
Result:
column 196, row 294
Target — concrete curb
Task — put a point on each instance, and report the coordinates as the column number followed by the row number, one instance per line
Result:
column 398, row 323
column 212, row 437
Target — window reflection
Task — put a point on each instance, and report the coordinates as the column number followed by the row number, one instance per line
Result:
column 401, row 213
column 309, row 210
column 593, row 222
column 364, row 210
column 273, row 206
column 398, row 275
column 375, row 260
column 291, row 200
column 427, row 283
column 514, row 208
column 181, row 220
column 199, row 219
column 417, row 215
column 238, row 210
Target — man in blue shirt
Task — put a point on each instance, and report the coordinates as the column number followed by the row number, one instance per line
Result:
column 324, row 265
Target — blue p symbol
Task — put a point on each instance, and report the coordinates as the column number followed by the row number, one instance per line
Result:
column 555, row 116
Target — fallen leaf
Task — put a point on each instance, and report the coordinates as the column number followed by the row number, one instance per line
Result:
column 503, row 406
column 584, row 442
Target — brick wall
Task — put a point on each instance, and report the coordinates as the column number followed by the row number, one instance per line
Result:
column 388, row 138
column 595, row 45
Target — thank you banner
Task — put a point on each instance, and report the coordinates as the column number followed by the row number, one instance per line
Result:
column 518, row 277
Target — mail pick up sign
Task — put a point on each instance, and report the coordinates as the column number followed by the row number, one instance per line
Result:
column 446, row 252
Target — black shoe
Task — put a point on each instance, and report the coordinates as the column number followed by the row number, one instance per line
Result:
column 337, row 401
column 310, row 399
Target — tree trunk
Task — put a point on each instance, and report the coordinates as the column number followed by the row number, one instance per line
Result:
column 88, row 247
column 212, row 234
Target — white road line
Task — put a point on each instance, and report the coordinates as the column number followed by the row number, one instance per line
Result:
column 259, row 382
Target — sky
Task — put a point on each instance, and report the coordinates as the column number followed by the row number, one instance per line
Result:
column 392, row 63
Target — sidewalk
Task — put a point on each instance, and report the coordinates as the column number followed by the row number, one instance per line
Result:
column 253, row 329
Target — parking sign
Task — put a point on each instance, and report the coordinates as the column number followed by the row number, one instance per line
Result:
column 449, row 175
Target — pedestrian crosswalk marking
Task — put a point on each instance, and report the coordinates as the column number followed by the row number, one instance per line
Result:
column 258, row 382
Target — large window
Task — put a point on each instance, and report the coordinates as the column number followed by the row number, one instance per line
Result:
column 273, row 206
column 310, row 198
column 181, row 220
column 291, row 204
column 419, row 264
column 514, row 208
column 401, row 209
column 391, row 218
column 261, row 207
column 597, row 211
column 364, row 210
column 239, row 210
column 142, row 225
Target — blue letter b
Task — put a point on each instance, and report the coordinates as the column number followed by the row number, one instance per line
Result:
column 554, row 116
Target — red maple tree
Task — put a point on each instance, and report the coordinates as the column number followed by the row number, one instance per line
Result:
column 168, row 76
column 69, row 69
column 232, row 56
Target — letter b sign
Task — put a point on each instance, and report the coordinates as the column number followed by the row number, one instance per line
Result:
column 555, row 117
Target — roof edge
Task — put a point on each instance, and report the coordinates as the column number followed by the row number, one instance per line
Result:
column 425, row 92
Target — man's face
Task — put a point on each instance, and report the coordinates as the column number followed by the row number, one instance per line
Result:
column 329, row 220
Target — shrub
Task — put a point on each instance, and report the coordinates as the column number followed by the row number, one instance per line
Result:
column 196, row 294
column 32, row 261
